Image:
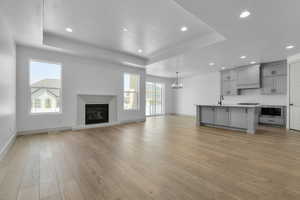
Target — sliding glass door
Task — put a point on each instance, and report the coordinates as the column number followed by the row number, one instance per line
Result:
column 155, row 98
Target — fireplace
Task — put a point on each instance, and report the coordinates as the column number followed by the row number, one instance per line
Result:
column 96, row 113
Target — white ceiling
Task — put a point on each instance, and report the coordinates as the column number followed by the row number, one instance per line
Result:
column 152, row 25
column 216, row 33
column 262, row 37
column 25, row 20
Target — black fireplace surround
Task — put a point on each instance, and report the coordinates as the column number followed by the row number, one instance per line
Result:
column 96, row 113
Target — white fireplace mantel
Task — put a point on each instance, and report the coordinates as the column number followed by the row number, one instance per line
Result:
column 93, row 98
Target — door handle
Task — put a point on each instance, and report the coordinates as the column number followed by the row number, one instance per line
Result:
column 291, row 104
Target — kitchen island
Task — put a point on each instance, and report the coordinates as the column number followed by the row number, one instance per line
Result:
column 237, row 117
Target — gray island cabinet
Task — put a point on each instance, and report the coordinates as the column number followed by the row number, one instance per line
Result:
column 238, row 117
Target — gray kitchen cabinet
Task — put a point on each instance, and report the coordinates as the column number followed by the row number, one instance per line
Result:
column 272, row 120
column 207, row 115
column 270, row 78
column 248, row 77
column 267, row 85
column 274, row 79
column 274, row 68
column 231, row 116
column 228, row 75
column 280, row 85
column 225, row 75
column 225, row 88
column 274, row 85
column 221, row 116
column 238, row 118
column 229, row 88
column 228, row 83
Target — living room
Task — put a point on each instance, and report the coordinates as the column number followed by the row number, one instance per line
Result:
column 176, row 99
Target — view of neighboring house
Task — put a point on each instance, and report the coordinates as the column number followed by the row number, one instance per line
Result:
column 45, row 96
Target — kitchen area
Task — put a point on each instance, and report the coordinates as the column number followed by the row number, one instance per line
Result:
column 266, row 81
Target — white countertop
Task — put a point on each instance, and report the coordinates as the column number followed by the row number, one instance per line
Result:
column 230, row 105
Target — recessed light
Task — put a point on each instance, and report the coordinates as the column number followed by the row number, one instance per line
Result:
column 252, row 62
column 140, row 51
column 125, row 29
column 223, row 68
column 243, row 57
column 184, row 28
column 69, row 30
column 211, row 64
column 290, row 47
column 245, row 14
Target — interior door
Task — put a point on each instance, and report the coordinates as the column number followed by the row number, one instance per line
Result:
column 295, row 96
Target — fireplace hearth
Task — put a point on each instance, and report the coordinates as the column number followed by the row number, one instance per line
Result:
column 96, row 113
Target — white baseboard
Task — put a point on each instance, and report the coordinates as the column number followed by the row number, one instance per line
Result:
column 32, row 132
column 184, row 115
column 7, row 146
column 133, row 121
column 80, row 127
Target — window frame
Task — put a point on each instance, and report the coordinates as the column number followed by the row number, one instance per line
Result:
column 29, row 87
column 136, row 92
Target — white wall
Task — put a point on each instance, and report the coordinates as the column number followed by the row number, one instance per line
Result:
column 169, row 97
column 79, row 75
column 7, row 86
column 205, row 89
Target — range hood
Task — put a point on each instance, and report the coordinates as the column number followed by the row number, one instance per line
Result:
column 248, row 77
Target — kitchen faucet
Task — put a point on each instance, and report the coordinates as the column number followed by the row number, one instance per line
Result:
column 220, row 102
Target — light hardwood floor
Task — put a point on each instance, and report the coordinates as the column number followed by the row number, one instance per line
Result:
column 165, row 158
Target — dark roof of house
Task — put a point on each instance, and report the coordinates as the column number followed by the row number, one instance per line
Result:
column 47, row 83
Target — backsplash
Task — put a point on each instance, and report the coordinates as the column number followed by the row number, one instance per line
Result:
column 254, row 96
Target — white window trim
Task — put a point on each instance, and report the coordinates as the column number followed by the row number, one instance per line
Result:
column 29, row 88
column 137, row 92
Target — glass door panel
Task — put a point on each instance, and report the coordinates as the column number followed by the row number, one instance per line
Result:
column 154, row 98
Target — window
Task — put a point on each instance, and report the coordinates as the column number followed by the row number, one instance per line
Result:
column 45, row 87
column 37, row 103
column 155, row 98
column 131, row 91
column 48, row 103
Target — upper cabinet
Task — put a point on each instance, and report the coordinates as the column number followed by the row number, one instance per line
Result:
column 274, row 78
column 274, row 69
column 228, row 83
column 248, row 77
column 270, row 78
column 228, row 75
column 240, row 78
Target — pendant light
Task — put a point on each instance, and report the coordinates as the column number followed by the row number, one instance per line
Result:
column 177, row 84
